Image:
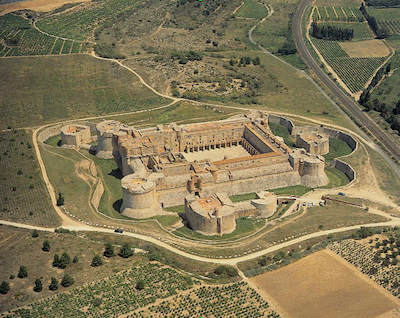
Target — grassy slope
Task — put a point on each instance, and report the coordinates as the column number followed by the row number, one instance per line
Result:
column 252, row 9
column 45, row 89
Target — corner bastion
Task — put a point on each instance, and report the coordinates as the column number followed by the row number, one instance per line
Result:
column 313, row 142
column 75, row 135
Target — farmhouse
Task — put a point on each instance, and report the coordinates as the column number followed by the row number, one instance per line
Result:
column 164, row 164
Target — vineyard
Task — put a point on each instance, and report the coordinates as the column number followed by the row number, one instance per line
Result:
column 24, row 197
column 18, row 37
column 345, row 14
column 237, row 300
column 117, row 295
column 354, row 72
column 80, row 22
column 388, row 17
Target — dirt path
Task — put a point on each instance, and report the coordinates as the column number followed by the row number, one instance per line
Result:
column 236, row 10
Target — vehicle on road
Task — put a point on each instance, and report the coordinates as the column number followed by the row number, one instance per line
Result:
column 118, row 231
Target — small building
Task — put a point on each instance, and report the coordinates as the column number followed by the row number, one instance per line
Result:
column 75, row 135
column 313, row 142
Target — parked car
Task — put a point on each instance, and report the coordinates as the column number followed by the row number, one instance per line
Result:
column 118, row 231
column 342, row 194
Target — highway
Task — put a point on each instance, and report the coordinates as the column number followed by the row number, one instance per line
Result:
column 344, row 99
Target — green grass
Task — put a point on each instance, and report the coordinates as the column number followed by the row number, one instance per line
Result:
column 336, row 178
column 46, row 89
column 252, row 9
column 177, row 209
column 298, row 190
column 23, row 194
column 281, row 131
column 244, row 226
column 243, row 197
column 337, row 148
column 53, row 141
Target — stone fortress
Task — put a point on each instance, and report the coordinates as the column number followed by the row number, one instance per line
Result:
column 75, row 135
column 202, row 165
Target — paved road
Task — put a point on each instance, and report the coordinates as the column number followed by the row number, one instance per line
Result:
column 344, row 99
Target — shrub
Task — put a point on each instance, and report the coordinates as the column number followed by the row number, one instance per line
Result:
column 140, row 285
column 67, row 280
column 54, row 284
column 35, row 233
column 4, row 288
column 126, row 251
column 96, row 261
column 109, row 250
column 46, row 246
column 38, row 285
column 226, row 271
column 23, row 272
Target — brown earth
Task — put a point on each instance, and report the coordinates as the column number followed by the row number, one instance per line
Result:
column 325, row 285
column 370, row 48
column 35, row 5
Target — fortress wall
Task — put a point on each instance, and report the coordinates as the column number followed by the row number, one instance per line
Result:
column 345, row 168
column 176, row 169
column 174, row 197
column 55, row 130
column 282, row 121
column 255, row 141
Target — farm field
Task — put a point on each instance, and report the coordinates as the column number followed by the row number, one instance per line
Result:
column 19, row 248
column 365, row 49
column 39, row 90
column 252, row 9
column 23, row 195
column 354, row 72
column 387, row 17
column 339, row 291
column 20, row 38
column 80, row 22
column 338, row 13
column 361, row 30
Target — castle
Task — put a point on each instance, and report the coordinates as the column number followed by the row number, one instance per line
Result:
column 164, row 164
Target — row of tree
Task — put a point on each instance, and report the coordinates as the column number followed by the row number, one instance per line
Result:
column 185, row 56
column 332, row 33
column 383, row 3
column 381, row 32
column 245, row 60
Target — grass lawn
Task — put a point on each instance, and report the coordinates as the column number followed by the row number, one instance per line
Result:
column 336, row 178
column 281, row 131
column 38, row 90
column 337, row 148
column 54, row 141
column 298, row 190
column 252, row 9
column 243, row 197
column 177, row 209
column 244, row 226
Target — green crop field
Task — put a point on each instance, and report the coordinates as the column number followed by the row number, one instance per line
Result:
column 252, row 9
column 46, row 89
column 20, row 38
column 80, row 22
column 23, row 195
column 354, row 72
column 337, row 13
column 361, row 29
column 387, row 17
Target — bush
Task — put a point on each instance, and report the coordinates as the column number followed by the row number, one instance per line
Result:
column 60, row 200
column 126, row 251
column 226, row 271
column 140, row 285
column 109, row 250
column 54, row 284
column 35, row 233
column 23, row 272
column 46, row 246
column 4, row 288
column 96, row 261
column 67, row 280
column 38, row 285
column 75, row 260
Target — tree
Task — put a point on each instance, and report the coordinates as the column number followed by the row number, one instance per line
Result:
column 75, row 260
column 67, row 280
column 96, row 261
column 60, row 200
column 4, row 288
column 126, row 251
column 23, row 272
column 46, row 246
column 35, row 233
column 38, row 285
column 256, row 61
column 109, row 250
column 140, row 285
column 56, row 260
column 54, row 284
column 65, row 260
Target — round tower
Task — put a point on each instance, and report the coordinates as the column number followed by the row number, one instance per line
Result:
column 105, row 134
column 139, row 199
column 312, row 171
column 75, row 135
